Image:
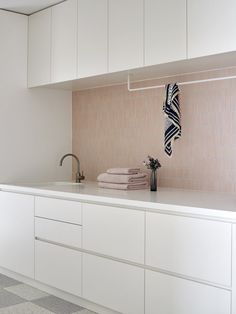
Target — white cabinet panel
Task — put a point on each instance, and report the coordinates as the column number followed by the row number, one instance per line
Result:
column 112, row 284
column 62, row 210
column 58, row 267
column 64, row 41
column 17, row 233
column 193, row 247
column 39, row 48
column 171, row 295
column 165, row 31
column 234, row 270
column 117, row 232
column 59, row 232
column 125, row 34
column 92, row 37
column 211, row 27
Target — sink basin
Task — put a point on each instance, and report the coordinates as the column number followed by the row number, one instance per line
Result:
column 64, row 183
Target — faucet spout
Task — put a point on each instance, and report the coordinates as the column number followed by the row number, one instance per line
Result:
column 79, row 176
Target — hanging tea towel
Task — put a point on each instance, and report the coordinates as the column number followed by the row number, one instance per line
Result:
column 171, row 109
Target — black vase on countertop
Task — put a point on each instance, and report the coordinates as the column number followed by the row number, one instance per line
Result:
column 153, row 180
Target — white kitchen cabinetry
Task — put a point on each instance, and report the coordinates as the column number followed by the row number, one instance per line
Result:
column 58, row 209
column 132, row 261
column 17, row 233
column 113, row 284
column 58, row 267
column 58, row 232
column 165, row 31
column 170, row 295
column 39, row 48
column 113, row 231
column 211, row 27
column 92, row 37
column 234, row 270
column 125, row 34
column 191, row 247
column 64, row 41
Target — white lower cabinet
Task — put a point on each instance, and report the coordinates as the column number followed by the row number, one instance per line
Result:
column 57, row 209
column 234, row 269
column 112, row 284
column 17, row 233
column 170, row 295
column 113, row 231
column 58, row 232
column 58, row 267
column 188, row 246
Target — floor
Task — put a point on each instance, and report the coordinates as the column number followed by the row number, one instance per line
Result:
column 19, row 298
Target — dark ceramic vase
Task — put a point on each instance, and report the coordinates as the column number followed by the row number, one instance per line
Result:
column 153, row 180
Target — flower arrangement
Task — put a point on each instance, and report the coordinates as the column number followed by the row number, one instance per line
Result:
column 152, row 163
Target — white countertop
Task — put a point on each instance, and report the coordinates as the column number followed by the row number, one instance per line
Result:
column 214, row 205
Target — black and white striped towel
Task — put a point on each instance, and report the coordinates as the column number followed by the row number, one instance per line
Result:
column 171, row 109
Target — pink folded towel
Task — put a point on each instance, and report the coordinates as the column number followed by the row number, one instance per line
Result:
column 123, row 170
column 122, row 178
column 129, row 186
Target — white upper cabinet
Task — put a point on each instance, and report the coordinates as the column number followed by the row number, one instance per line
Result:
column 211, row 27
column 39, row 53
column 64, row 41
column 83, row 38
column 165, row 31
column 125, row 34
column 92, row 37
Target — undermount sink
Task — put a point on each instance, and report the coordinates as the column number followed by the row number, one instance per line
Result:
column 61, row 183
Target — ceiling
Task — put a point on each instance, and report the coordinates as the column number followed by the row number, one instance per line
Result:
column 26, row 6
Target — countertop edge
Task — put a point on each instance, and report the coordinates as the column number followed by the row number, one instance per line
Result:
column 165, row 208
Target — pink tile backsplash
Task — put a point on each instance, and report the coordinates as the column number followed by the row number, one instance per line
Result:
column 116, row 128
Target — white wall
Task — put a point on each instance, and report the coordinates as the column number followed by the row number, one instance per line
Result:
column 36, row 124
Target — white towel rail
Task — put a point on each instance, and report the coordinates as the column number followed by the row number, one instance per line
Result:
column 180, row 84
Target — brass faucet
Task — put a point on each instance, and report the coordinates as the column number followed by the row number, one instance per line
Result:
column 79, row 176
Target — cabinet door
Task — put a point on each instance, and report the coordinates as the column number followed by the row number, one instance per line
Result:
column 125, row 34
column 170, row 295
column 39, row 49
column 17, row 233
column 112, row 284
column 58, row 267
column 234, row 270
column 211, row 27
column 165, row 31
column 92, row 37
column 117, row 232
column 188, row 246
column 64, row 41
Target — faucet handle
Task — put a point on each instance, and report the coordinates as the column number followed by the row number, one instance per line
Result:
column 81, row 176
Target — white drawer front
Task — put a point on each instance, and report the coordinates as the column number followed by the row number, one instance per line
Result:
column 63, row 210
column 170, row 295
column 112, row 284
column 112, row 231
column 60, row 232
column 58, row 267
column 192, row 247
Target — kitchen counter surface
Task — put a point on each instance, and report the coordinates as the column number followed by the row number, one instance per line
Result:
column 194, row 203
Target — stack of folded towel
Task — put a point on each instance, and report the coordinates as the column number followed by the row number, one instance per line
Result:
column 123, row 179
